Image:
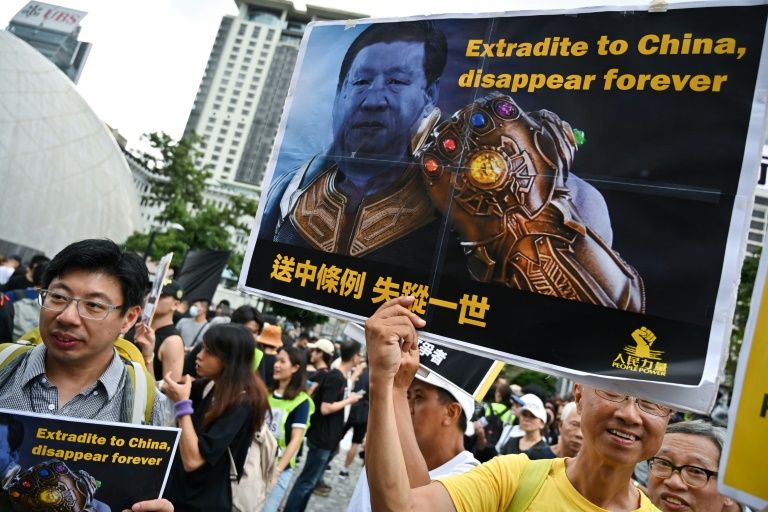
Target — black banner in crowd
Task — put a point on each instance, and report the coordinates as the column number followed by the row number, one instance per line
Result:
column 56, row 463
column 571, row 205
column 473, row 373
column 201, row 273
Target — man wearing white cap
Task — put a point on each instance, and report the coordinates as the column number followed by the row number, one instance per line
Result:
column 320, row 357
column 327, row 426
column 432, row 418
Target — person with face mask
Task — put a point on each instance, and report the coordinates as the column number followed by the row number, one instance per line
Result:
column 193, row 328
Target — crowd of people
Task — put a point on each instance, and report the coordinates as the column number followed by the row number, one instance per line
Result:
column 605, row 440
column 223, row 375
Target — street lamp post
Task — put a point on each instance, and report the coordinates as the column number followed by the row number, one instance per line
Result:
column 153, row 233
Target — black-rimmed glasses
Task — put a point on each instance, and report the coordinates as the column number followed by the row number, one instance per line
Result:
column 644, row 405
column 86, row 308
column 693, row 476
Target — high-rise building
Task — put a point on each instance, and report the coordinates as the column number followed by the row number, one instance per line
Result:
column 759, row 220
column 53, row 31
column 238, row 105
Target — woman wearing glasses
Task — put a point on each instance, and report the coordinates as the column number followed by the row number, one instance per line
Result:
column 683, row 474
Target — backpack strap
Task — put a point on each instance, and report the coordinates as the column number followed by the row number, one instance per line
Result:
column 194, row 340
column 499, row 414
column 143, row 386
column 531, row 480
column 10, row 352
column 233, row 476
column 208, row 387
column 129, row 352
column 32, row 337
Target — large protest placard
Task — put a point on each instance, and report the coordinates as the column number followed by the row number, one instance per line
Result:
column 743, row 466
column 560, row 190
column 58, row 463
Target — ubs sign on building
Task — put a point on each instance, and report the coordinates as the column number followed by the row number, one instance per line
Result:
column 53, row 31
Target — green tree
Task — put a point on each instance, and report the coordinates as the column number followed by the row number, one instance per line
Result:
column 295, row 315
column 741, row 314
column 525, row 377
column 178, row 189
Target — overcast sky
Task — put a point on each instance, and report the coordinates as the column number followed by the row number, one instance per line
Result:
column 148, row 55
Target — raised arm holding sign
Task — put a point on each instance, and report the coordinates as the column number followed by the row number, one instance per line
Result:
column 619, row 431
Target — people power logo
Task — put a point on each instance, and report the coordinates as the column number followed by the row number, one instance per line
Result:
column 640, row 358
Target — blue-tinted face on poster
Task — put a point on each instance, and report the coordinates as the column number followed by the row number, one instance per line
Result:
column 381, row 101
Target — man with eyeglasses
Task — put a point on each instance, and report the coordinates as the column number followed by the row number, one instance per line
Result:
column 618, row 432
column 92, row 294
column 683, row 474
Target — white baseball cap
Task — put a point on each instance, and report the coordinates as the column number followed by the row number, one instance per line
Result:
column 535, row 406
column 323, row 345
column 466, row 400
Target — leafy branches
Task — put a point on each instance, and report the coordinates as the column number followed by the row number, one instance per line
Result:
column 178, row 187
column 740, row 316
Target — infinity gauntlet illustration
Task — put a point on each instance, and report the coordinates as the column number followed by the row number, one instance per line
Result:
column 51, row 486
column 500, row 175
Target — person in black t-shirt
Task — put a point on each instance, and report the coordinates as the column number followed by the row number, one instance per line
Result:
column 216, row 420
column 270, row 340
column 357, row 421
column 169, row 347
column 533, row 417
column 327, row 425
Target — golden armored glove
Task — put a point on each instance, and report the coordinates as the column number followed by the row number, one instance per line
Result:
column 500, row 175
column 51, row 486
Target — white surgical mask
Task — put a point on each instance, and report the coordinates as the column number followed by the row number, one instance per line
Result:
column 194, row 310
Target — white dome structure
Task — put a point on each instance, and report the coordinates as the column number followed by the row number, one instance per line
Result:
column 62, row 175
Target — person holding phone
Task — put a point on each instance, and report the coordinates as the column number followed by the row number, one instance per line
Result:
column 218, row 415
column 325, row 433
column 357, row 420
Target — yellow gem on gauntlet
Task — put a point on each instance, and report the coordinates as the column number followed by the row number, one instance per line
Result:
column 486, row 168
column 50, row 496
